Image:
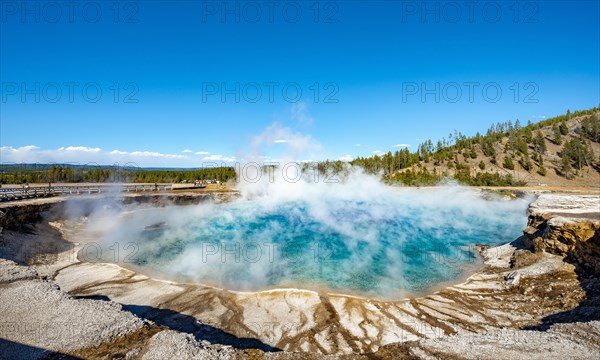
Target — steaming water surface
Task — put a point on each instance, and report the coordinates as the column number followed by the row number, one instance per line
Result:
column 379, row 243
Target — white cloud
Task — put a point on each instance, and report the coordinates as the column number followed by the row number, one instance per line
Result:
column 80, row 148
column 217, row 157
column 118, row 152
column 202, row 153
column 9, row 154
column 157, row 154
column 187, row 151
column 89, row 155
column 356, row 144
column 346, row 157
column 377, row 152
column 401, row 145
column 21, row 149
column 297, row 145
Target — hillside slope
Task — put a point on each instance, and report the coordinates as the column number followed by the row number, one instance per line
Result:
column 562, row 151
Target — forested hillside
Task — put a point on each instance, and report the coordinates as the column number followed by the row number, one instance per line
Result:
column 558, row 151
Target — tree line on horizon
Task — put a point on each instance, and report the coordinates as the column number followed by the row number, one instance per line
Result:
column 65, row 174
column 525, row 146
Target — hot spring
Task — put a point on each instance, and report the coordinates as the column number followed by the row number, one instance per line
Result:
column 353, row 238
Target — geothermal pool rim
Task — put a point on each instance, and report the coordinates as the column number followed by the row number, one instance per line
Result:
column 304, row 321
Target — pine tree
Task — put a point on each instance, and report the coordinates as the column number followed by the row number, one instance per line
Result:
column 578, row 151
column 526, row 162
column 557, row 136
column 564, row 129
column 482, row 165
column 473, row 152
column 508, row 163
column 528, row 135
column 542, row 170
column 539, row 143
column 565, row 167
column 520, row 145
column 591, row 127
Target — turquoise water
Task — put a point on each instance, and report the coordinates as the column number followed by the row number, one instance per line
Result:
column 379, row 246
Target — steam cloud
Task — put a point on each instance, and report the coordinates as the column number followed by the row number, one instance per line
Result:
column 296, row 227
column 353, row 235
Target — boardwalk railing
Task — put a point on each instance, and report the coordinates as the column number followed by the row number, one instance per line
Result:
column 12, row 194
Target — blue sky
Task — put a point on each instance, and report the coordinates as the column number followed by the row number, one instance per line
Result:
column 372, row 75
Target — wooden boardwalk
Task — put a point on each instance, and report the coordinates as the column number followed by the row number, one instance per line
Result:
column 21, row 193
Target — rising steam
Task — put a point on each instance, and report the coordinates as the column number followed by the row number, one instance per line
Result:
column 353, row 235
column 294, row 226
